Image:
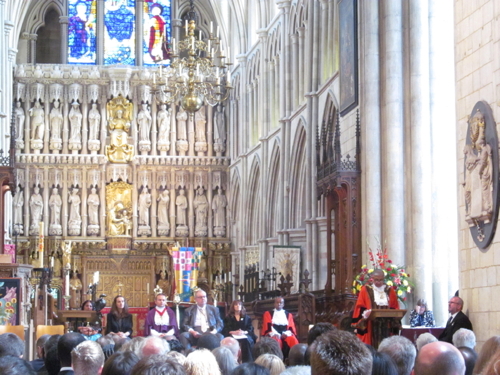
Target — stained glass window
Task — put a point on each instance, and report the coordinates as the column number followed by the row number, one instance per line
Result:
column 157, row 31
column 119, row 32
column 82, row 31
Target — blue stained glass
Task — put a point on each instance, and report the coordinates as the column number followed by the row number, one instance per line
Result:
column 157, row 31
column 81, row 32
column 119, row 38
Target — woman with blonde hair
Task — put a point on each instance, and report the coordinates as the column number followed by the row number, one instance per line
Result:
column 273, row 363
column 201, row 362
column 488, row 351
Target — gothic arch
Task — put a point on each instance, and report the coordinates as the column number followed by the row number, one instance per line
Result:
column 37, row 12
column 297, row 180
column 235, row 205
column 274, row 187
column 253, row 216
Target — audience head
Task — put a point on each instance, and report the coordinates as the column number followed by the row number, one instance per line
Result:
column 464, row 337
column 225, row 359
column 383, row 364
column 470, row 357
column 208, row 341
column 40, row 343
column 66, row 344
column 135, row 345
column 317, row 330
column 175, row 345
column 51, row 359
column 250, row 368
column 177, row 356
column 272, row 363
column 120, row 341
column 158, row 364
column 87, row 305
column 421, row 306
column 200, row 298
column 267, row 345
column 155, row 345
column 297, row 355
column 340, row 352
column 107, row 345
column 424, row 339
column 237, row 305
column 14, row 365
column 455, row 304
column 87, row 358
column 201, row 362
column 439, row 358
column 490, row 347
column 401, row 350
column 297, row 370
column 11, row 344
column 233, row 346
column 120, row 363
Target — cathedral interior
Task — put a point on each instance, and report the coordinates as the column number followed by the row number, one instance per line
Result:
column 249, row 148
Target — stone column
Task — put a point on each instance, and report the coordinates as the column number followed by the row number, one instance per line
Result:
column 370, row 108
column 32, row 39
column 294, row 72
column 393, row 171
column 64, row 196
column 301, row 65
column 63, row 20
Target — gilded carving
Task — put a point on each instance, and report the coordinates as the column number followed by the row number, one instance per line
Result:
column 120, row 119
column 119, row 207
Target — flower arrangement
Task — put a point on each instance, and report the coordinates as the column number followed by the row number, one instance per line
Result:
column 395, row 276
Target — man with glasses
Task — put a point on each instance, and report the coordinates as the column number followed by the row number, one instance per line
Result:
column 456, row 321
column 200, row 319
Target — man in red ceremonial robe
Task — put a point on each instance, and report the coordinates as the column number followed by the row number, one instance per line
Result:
column 279, row 325
column 375, row 296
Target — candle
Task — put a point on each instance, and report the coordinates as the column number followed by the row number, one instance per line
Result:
column 186, row 27
column 228, row 78
column 66, row 285
column 227, row 57
column 218, row 31
column 51, row 262
column 200, row 35
column 96, row 277
column 211, row 27
column 40, row 243
column 147, row 288
column 173, row 45
column 208, row 48
column 230, row 277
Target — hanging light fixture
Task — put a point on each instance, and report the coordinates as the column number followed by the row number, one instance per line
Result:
column 198, row 72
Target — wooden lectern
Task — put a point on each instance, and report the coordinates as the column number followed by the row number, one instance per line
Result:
column 73, row 319
column 385, row 323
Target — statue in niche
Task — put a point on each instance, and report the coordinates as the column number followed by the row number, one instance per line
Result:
column 478, row 184
column 66, row 249
column 163, row 118
column 75, row 219
column 18, row 212
column 144, row 204
column 19, row 116
column 93, row 207
column 144, row 121
column 36, row 207
column 75, row 119
column 120, row 220
column 37, row 126
column 76, row 287
column 200, row 121
column 182, row 117
column 94, row 123
column 163, row 283
column 182, row 204
column 200, row 205
column 219, row 130
column 163, row 205
column 56, row 123
column 55, row 204
column 120, row 117
column 219, row 203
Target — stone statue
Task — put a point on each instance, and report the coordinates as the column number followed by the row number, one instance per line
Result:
column 119, row 220
column 56, row 123
column 163, row 118
column 75, row 118
column 200, row 121
column 37, row 124
column 144, row 121
column 93, row 205
column 119, row 114
column 18, row 211
column 164, row 284
column 36, row 207
column 19, row 116
column 182, row 204
column 75, row 219
column 219, row 129
column 94, row 123
column 55, row 204
column 182, row 117
column 200, row 205
column 163, row 205
column 144, row 204
column 219, row 204
column 76, row 287
column 66, row 249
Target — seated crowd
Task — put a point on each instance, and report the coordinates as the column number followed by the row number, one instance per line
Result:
column 207, row 345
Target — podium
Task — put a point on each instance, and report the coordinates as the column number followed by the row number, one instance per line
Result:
column 385, row 323
column 73, row 319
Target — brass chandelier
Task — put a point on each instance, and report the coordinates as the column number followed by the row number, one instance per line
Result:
column 198, row 72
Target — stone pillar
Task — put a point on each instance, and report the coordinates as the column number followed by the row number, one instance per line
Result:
column 393, row 171
column 63, row 20
column 32, row 39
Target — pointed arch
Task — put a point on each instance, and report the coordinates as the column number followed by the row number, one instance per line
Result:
column 235, row 206
column 274, row 187
column 298, row 178
column 253, row 203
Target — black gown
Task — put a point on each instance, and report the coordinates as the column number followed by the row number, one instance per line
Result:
column 245, row 324
column 116, row 325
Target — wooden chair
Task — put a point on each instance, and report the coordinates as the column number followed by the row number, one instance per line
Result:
column 17, row 330
column 49, row 330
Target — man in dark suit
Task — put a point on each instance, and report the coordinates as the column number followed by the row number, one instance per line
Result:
column 457, row 320
column 199, row 319
column 65, row 345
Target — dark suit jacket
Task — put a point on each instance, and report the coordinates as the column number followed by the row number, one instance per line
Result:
column 460, row 321
column 66, row 372
column 213, row 318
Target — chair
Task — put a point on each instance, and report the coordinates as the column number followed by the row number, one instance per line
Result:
column 49, row 330
column 17, row 330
